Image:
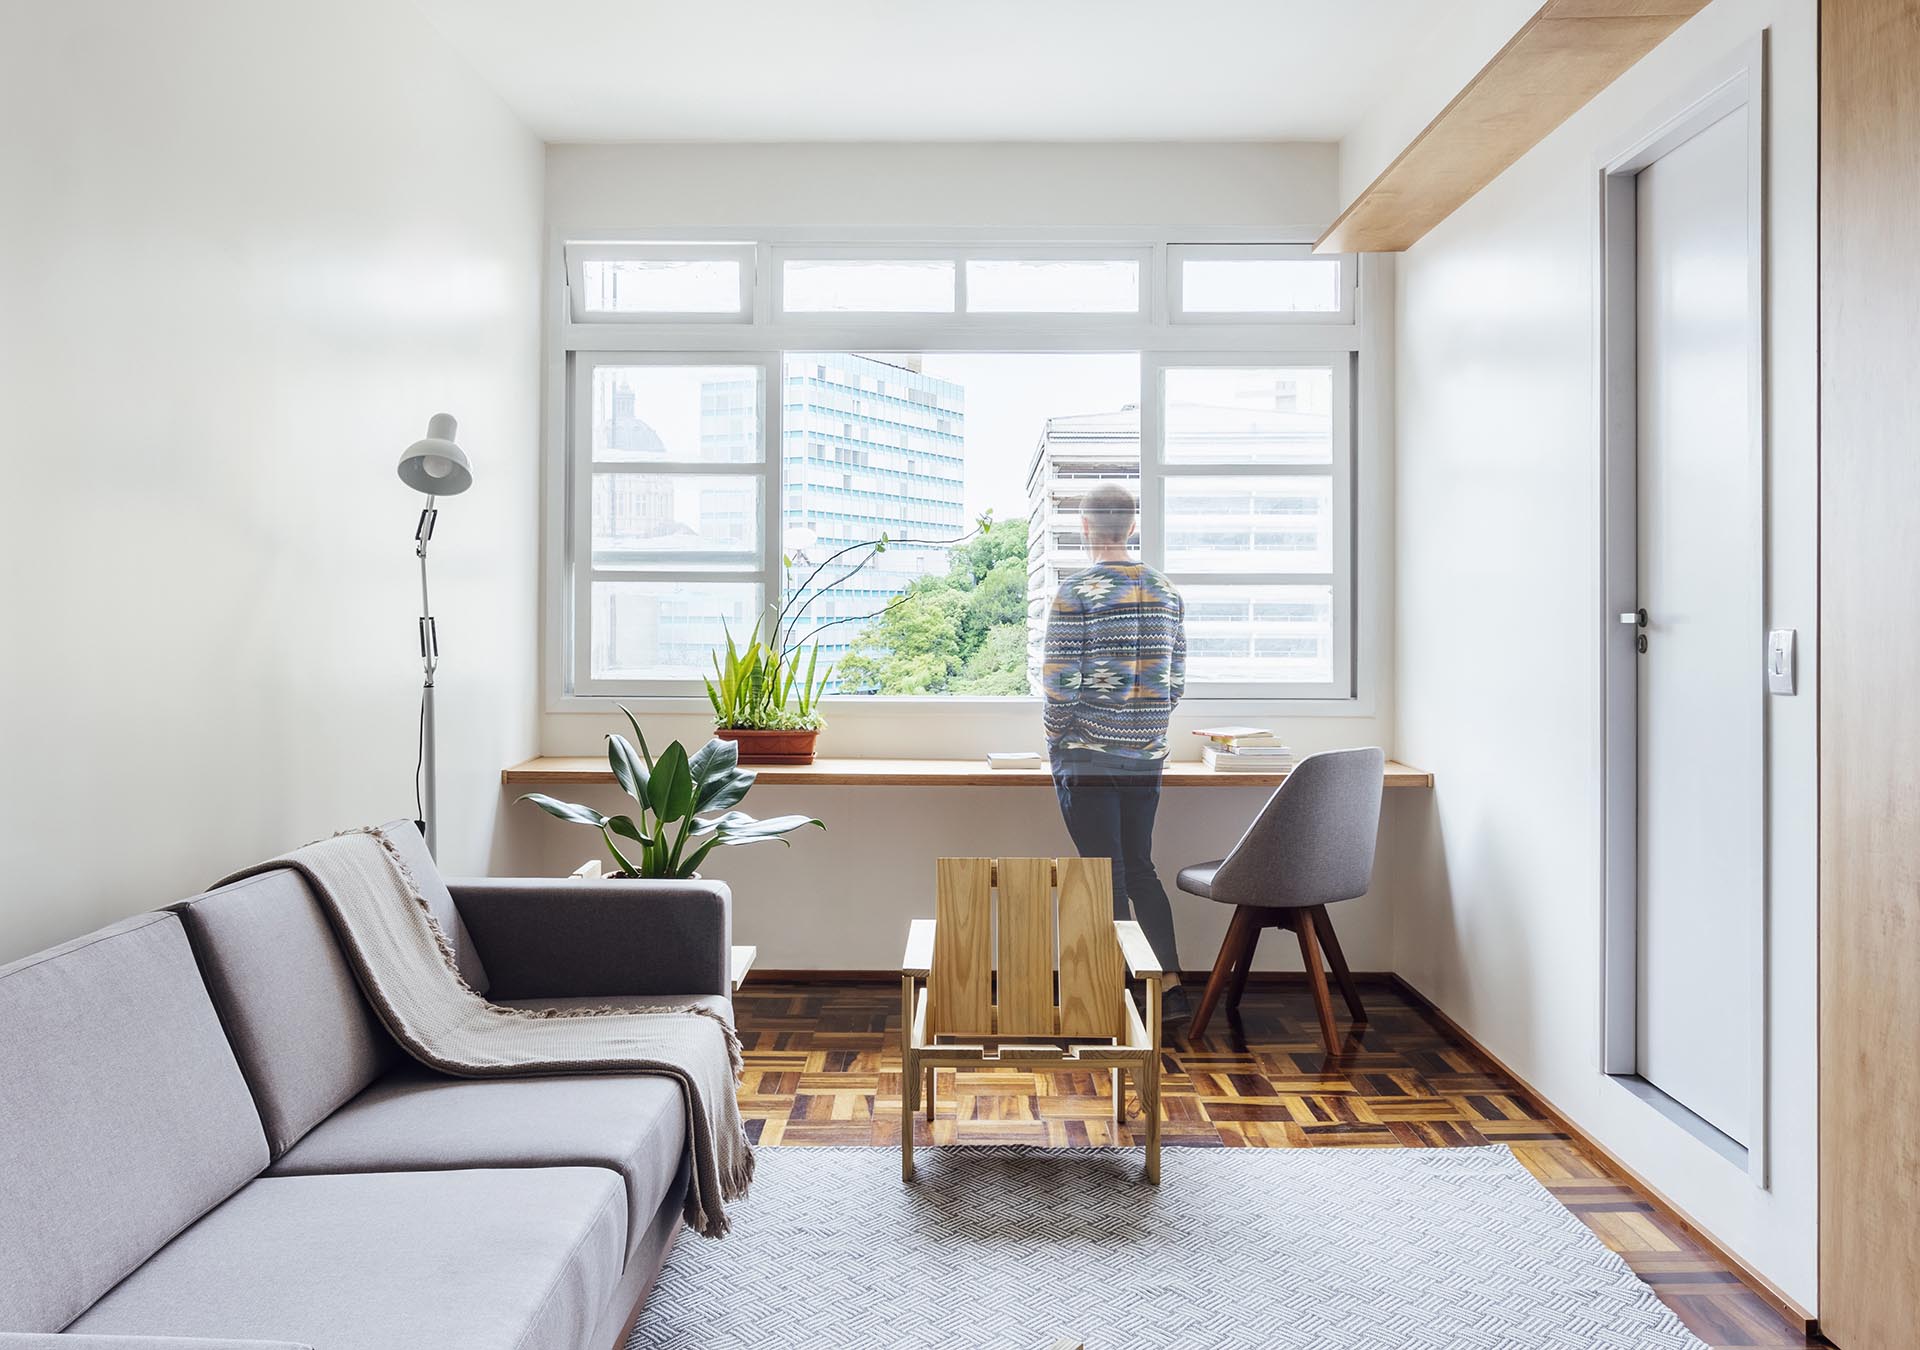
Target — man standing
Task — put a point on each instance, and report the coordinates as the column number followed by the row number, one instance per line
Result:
column 1116, row 656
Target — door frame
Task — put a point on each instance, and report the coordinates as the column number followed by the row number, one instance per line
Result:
column 1734, row 85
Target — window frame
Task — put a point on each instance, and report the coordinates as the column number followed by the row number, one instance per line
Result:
column 1356, row 347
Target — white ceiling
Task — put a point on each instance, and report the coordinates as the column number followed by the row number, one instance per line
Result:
column 859, row 70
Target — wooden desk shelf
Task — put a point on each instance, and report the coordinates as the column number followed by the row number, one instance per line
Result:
column 920, row 773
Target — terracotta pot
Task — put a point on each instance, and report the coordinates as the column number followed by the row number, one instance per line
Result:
column 771, row 747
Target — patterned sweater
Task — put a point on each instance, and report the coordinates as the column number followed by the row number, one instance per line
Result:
column 1116, row 661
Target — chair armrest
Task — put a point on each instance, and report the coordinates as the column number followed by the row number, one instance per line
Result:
column 33, row 1340
column 1138, row 951
column 919, row 955
column 544, row 938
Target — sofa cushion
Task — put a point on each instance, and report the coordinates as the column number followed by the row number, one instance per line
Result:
column 123, row 1115
column 412, row 848
column 417, row 1120
column 305, row 1036
column 469, row 1260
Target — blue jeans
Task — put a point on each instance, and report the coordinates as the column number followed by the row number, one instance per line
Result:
column 1109, row 809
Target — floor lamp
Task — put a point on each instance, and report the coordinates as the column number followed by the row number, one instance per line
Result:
column 439, row 468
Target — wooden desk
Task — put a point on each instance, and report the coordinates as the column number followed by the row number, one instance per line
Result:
column 921, row 773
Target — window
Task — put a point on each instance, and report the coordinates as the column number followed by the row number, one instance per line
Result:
column 1052, row 286
column 707, row 482
column 1253, row 479
column 1270, row 283
column 866, row 286
column 618, row 283
column 669, row 508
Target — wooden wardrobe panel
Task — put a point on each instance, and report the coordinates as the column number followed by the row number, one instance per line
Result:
column 1869, row 673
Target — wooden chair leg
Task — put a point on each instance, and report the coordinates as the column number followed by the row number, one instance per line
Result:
column 1148, row 1077
column 909, row 1074
column 1323, row 929
column 1242, row 933
column 909, row 1077
column 1316, row 978
column 930, row 1098
column 1119, row 1077
column 1243, row 962
column 1150, row 1108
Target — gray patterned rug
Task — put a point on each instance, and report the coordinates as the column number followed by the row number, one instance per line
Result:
column 1238, row 1249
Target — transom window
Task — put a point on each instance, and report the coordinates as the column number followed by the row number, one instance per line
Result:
column 745, row 418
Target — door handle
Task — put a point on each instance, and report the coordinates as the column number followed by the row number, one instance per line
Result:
column 1638, row 618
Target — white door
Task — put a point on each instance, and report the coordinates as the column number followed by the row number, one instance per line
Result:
column 1701, row 676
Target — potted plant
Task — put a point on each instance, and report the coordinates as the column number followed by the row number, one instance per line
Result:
column 764, row 698
column 683, row 801
column 764, row 703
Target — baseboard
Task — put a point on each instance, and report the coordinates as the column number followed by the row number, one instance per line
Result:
column 1197, row 978
column 1748, row 1276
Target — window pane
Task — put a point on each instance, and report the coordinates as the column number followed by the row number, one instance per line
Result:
column 1259, row 634
column 1250, row 524
column 664, row 630
column 916, row 447
column 1267, row 415
column 676, row 520
column 1260, row 285
column 1053, row 287
column 879, row 286
column 661, row 286
column 709, row 413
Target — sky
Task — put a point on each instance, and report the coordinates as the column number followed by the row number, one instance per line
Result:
column 1009, row 398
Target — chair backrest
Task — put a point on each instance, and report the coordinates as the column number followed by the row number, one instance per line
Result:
column 1312, row 843
column 960, row 987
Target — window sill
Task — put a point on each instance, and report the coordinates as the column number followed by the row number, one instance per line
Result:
column 924, row 773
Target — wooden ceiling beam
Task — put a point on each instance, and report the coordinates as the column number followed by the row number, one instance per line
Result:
column 1565, row 54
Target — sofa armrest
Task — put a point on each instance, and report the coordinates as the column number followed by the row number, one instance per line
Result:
column 541, row 938
column 33, row 1340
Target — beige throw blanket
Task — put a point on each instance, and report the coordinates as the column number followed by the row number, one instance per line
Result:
column 405, row 964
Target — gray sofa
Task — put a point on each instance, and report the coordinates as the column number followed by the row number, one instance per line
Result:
column 207, row 1140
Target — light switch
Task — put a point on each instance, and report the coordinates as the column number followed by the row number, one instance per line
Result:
column 1780, row 661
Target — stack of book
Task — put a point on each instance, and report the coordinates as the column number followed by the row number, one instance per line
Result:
column 1243, row 750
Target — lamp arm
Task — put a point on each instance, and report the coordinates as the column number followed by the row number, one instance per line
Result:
column 429, row 637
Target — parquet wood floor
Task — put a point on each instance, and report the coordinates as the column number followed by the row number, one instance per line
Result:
column 823, row 1067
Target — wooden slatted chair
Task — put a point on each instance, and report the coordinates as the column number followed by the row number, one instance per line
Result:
column 952, row 1019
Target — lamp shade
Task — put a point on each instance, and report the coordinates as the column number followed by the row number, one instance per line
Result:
column 434, row 464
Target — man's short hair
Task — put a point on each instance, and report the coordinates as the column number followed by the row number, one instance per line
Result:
column 1109, row 511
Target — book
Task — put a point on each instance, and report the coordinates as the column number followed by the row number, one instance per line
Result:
column 1223, row 760
column 1229, row 735
column 1013, row 759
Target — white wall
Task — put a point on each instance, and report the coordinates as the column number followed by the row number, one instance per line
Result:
column 1459, row 39
column 1500, row 627
column 878, row 184
column 842, row 899
column 246, row 248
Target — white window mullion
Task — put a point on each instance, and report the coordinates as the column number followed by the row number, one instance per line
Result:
column 1153, row 497
column 773, row 488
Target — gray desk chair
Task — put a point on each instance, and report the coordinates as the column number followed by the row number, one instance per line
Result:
column 1311, row 844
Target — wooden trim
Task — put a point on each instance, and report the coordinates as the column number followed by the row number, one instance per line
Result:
column 1564, row 55
column 924, row 773
column 1748, row 1276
